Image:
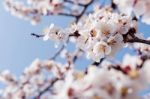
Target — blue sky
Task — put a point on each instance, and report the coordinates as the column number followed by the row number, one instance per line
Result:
column 18, row 48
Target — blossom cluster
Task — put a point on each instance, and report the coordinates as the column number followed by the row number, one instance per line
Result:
column 140, row 8
column 52, row 80
column 34, row 79
column 143, row 49
column 34, row 9
column 99, row 34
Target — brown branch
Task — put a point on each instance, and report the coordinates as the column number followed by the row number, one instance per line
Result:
column 37, row 35
column 130, row 37
column 71, row 2
column 118, row 67
column 113, row 5
column 83, row 11
column 68, row 14
column 98, row 63
column 47, row 88
column 57, row 53
column 138, row 40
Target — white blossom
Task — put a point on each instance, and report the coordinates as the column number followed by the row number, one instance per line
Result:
column 99, row 36
column 138, row 7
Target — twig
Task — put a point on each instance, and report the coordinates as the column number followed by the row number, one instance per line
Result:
column 47, row 88
column 130, row 37
column 113, row 5
column 69, row 1
column 67, row 14
column 138, row 40
column 37, row 35
column 98, row 63
column 57, row 53
column 83, row 11
column 118, row 67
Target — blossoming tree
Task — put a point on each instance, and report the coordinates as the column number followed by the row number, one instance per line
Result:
column 98, row 35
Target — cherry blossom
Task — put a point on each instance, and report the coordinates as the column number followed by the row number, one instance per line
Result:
column 96, row 82
column 97, row 36
column 100, row 34
column 37, row 8
column 140, row 8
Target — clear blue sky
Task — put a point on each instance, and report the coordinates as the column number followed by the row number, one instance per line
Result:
column 18, row 49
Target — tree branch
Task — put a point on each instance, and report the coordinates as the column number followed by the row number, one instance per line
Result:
column 47, row 88
column 37, row 35
column 83, row 11
column 130, row 37
column 69, row 1
column 57, row 53
column 138, row 40
column 67, row 14
column 98, row 63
